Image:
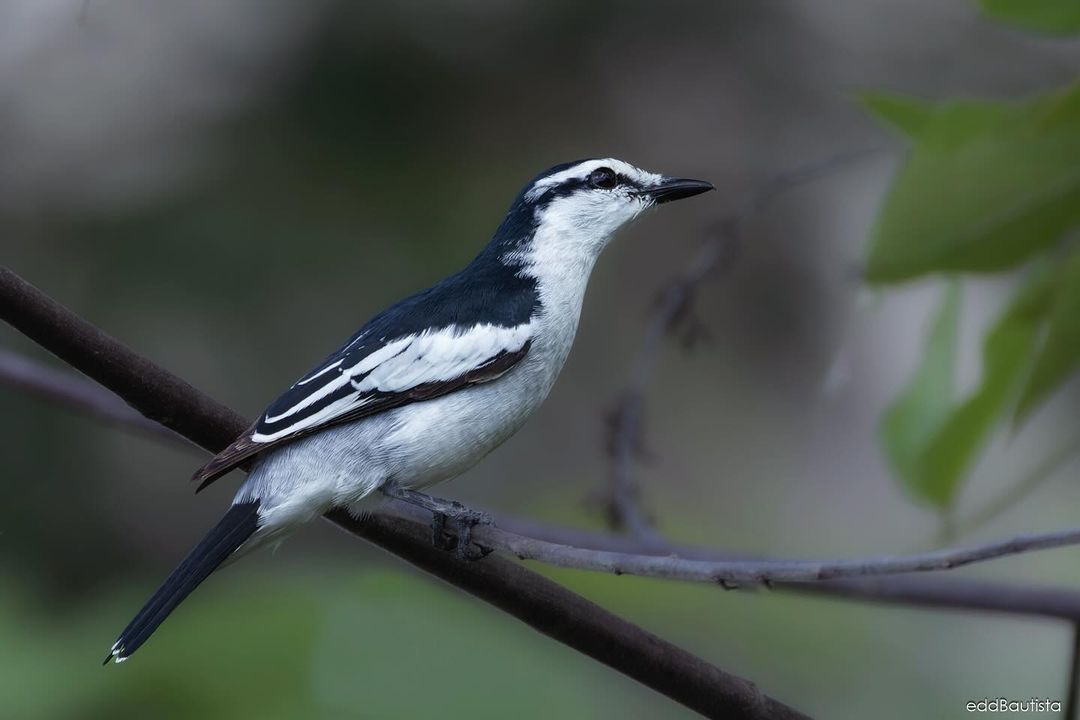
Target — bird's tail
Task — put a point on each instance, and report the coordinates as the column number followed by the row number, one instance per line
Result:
column 239, row 524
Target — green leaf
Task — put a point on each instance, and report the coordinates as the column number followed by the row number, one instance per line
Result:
column 1008, row 351
column 1052, row 16
column 913, row 418
column 987, row 186
column 906, row 113
column 1059, row 357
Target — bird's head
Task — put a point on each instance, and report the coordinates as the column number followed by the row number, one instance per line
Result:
column 579, row 205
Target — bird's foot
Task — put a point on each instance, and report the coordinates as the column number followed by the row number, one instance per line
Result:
column 462, row 520
column 459, row 536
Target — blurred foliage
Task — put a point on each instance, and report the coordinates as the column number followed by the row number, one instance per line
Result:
column 1059, row 356
column 910, row 425
column 987, row 187
column 1054, row 16
column 1007, row 351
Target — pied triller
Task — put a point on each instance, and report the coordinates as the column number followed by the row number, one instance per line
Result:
column 429, row 386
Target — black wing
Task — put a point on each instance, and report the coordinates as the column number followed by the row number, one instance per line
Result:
column 353, row 384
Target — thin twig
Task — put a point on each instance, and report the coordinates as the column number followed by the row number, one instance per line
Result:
column 534, row 600
column 922, row 590
column 78, row 393
column 713, row 258
column 625, row 424
column 735, row 572
column 624, row 507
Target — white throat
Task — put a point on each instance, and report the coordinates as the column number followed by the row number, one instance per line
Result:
column 564, row 249
column 569, row 238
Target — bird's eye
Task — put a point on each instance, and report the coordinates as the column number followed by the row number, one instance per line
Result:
column 603, row 178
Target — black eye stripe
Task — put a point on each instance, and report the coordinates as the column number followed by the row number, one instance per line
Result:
column 570, row 186
column 567, row 188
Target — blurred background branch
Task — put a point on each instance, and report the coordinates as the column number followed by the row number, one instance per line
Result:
column 76, row 393
column 675, row 313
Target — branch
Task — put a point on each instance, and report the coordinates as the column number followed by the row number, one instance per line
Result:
column 624, row 509
column 150, row 390
column 763, row 572
column 939, row 592
column 78, row 393
column 536, row 601
column 933, row 591
column 571, row 619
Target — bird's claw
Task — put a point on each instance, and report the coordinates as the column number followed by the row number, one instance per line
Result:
column 459, row 536
column 444, row 512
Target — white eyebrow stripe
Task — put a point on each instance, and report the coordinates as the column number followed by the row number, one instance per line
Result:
column 577, row 171
column 582, row 170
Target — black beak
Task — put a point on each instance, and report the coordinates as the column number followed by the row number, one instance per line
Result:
column 676, row 189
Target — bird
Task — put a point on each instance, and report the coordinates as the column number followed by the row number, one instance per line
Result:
column 428, row 387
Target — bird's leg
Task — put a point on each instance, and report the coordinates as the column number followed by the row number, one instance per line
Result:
column 438, row 527
column 442, row 510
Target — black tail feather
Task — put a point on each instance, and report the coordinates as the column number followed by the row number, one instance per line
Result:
column 239, row 523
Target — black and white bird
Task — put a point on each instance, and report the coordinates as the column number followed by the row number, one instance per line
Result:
column 429, row 386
